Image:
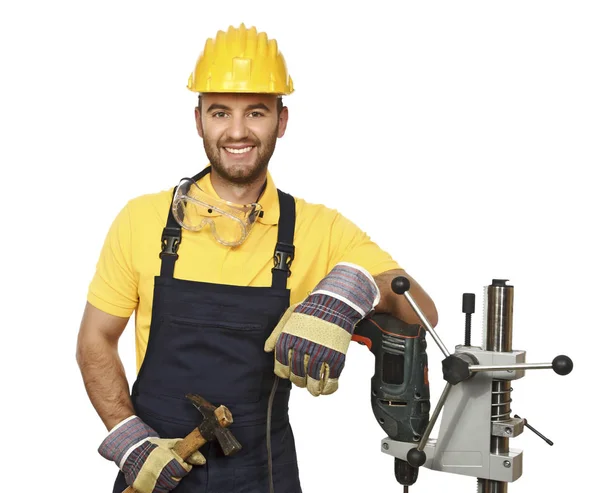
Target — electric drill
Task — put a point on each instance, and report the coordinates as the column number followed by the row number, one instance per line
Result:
column 400, row 386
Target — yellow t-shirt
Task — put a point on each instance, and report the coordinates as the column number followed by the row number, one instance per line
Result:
column 129, row 261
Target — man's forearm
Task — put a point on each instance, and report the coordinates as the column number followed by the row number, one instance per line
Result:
column 397, row 305
column 105, row 380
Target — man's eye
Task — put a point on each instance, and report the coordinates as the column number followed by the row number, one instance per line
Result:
column 255, row 114
column 219, row 114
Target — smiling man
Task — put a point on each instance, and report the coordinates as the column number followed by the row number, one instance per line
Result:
column 239, row 291
column 239, row 133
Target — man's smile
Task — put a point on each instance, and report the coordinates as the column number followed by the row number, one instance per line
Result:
column 237, row 150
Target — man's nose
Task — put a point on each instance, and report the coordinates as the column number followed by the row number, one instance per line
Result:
column 238, row 128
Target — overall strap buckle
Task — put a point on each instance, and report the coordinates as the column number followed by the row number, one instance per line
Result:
column 284, row 255
column 170, row 241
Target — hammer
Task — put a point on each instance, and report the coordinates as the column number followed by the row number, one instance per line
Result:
column 213, row 425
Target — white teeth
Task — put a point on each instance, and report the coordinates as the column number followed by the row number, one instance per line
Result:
column 238, row 151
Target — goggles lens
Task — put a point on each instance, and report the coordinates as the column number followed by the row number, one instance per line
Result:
column 194, row 209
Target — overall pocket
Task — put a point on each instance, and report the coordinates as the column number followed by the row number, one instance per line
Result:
column 223, row 361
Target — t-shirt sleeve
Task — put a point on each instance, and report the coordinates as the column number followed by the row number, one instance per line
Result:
column 350, row 244
column 114, row 287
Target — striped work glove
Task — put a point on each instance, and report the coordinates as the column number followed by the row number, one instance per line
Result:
column 312, row 337
column 149, row 463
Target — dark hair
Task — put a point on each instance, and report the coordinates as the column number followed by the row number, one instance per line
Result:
column 279, row 104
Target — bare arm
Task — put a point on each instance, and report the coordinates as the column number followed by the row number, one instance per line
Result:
column 397, row 305
column 100, row 365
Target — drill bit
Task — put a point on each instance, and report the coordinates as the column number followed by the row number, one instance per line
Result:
column 405, row 488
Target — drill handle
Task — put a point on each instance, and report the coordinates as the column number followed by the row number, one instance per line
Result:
column 372, row 329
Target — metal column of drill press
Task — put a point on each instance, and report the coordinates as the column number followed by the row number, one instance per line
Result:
column 476, row 422
column 499, row 299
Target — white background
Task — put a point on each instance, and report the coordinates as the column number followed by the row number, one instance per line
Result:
column 461, row 135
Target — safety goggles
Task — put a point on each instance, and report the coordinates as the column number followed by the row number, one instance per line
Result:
column 194, row 209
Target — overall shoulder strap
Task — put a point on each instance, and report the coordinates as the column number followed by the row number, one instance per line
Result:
column 171, row 236
column 284, row 250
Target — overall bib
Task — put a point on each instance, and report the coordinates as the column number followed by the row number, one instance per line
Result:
column 208, row 339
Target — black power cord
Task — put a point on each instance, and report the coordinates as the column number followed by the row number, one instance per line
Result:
column 269, row 456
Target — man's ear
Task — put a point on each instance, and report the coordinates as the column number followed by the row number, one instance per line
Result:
column 198, row 117
column 283, row 119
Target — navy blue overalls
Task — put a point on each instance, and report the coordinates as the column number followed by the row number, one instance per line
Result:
column 208, row 339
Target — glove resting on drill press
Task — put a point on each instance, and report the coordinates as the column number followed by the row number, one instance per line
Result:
column 149, row 463
column 312, row 337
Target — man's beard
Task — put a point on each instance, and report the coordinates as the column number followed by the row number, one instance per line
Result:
column 243, row 175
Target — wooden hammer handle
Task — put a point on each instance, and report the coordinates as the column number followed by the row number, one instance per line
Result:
column 184, row 448
column 189, row 444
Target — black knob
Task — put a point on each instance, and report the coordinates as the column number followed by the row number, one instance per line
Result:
column 468, row 308
column 468, row 303
column 400, row 285
column 416, row 457
column 562, row 365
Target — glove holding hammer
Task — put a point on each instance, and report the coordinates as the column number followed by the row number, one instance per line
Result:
column 156, row 465
column 149, row 463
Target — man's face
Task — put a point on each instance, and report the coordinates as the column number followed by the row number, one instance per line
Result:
column 239, row 133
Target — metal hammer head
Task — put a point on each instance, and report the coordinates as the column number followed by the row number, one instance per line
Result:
column 214, row 424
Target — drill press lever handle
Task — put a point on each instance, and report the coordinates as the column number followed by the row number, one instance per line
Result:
column 416, row 457
column 401, row 285
column 562, row 365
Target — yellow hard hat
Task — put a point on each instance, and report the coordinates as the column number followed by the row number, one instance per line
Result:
column 241, row 60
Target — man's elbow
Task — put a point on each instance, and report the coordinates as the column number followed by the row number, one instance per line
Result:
column 426, row 306
column 430, row 312
column 399, row 305
column 98, row 335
